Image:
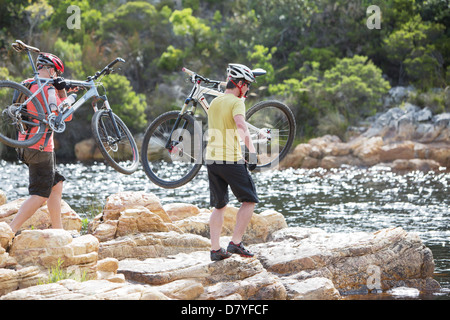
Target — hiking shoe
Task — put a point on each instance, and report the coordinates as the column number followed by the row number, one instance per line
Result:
column 220, row 254
column 239, row 249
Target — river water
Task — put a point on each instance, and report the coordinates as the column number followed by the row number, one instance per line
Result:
column 339, row 200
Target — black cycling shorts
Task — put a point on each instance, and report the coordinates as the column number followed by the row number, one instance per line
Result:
column 234, row 175
column 43, row 175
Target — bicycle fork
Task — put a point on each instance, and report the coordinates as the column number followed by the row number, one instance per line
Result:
column 113, row 121
column 170, row 145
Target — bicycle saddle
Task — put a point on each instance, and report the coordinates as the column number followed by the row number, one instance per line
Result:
column 19, row 46
column 259, row 72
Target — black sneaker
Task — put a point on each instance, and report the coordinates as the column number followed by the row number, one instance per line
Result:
column 239, row 249
column 220, row 254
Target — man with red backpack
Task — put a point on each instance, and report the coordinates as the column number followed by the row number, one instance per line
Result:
column 45, row 182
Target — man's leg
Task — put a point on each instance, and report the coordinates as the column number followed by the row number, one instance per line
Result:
column 54, row 205
column 27, row 209
column 243, row 218
column 215, row 227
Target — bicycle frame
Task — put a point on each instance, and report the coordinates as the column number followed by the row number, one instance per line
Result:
column 197, row 95
column 92, row 92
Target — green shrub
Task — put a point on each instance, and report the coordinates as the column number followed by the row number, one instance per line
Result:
column 57, row 273
column 128, row 105
column 349, row 91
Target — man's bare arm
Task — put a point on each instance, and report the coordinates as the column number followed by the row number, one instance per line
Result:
column 243, row 132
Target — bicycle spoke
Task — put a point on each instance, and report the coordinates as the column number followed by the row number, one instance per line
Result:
column 170, row 159
column 119, row 150
column 19, row 121
column 272, row 128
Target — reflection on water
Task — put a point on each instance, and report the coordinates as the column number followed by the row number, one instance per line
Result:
column 340, row 200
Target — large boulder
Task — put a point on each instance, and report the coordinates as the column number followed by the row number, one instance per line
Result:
column 6, row 235
column 151, row 245
column 48, row 248
column 397, row 134
column 178, row 211
column 3, row 198
column 158, row 259
column 350, row 260
column 260, row 228
column 69, row 289
column 87, row 150
column 235, row 277
column 12, row 280
column 127, row 213
column 41, row 218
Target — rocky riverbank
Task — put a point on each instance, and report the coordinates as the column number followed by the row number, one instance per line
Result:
column 139, row 248
column 403, row 139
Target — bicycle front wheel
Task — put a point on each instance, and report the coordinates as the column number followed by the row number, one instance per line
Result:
column 17, row 116
column 117, row 146
column 272, row 128
column 172, row 156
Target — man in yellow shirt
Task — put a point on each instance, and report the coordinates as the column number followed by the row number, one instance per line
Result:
column 225, row 163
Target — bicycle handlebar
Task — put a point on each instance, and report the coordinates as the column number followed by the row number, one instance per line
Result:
column 189, row 72
column 196, row 76
column 106, row 69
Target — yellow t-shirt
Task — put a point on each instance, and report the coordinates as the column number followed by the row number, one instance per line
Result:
column 223, row 138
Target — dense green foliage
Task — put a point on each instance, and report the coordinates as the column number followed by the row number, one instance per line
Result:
column 321, row 57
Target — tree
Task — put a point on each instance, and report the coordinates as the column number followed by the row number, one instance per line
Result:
column 90, row 16
column 355, row 87
column 171, row 59
column 261, row 57
column 347, row 92
column 71, row 55
column 412, row 48
column 194, row 38
column 36, row 14
column 139, row 33
column 128, row 105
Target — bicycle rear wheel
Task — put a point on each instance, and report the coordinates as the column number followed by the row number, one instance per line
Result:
column 120, row 151
column 172, row 159
column 15, row 117
column 272, row 128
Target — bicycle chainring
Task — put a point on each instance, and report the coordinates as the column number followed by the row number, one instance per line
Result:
column 58, row 128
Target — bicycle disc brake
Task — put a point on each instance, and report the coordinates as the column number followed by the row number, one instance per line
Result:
column 56, row 127
column 112, row 143
column 176, row 150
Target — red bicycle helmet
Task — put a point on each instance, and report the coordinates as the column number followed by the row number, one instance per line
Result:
column 48, row 59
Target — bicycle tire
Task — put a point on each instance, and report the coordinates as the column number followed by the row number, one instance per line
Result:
column 283, row 120
column 8, row 129
column 122, row 156
column 163, row 166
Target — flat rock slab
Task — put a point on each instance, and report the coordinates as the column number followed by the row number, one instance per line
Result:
column 353, row 261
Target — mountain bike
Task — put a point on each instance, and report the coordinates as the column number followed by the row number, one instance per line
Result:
column 173, row 144
column 111, row 135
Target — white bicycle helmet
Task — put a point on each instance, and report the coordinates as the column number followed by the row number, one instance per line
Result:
column 239, row 71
